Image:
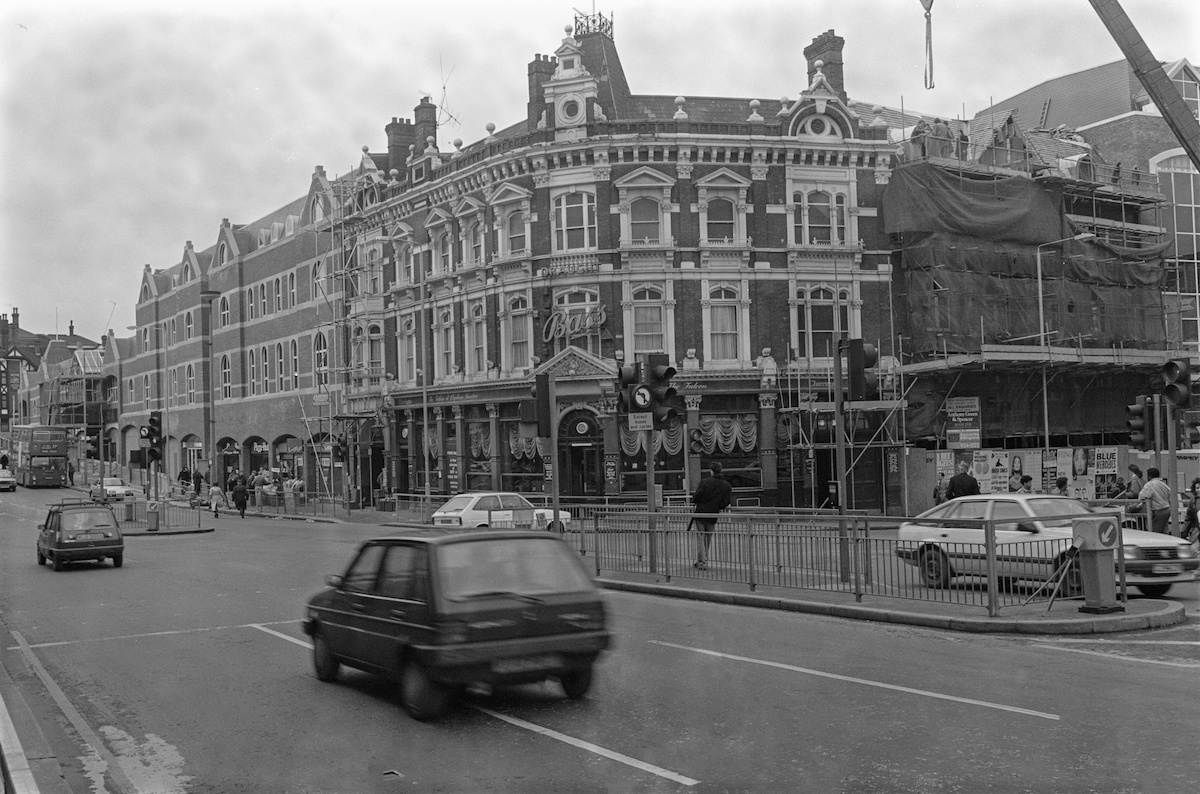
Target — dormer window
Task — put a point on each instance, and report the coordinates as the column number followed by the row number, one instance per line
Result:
column 317, row 211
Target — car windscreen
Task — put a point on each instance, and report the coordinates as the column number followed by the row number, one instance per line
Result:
column 114, row 481
column 524, row 566
column 1057, row 508
column 457, row 503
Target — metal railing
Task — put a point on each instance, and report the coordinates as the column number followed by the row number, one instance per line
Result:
column 137, row 514
column 857, row 555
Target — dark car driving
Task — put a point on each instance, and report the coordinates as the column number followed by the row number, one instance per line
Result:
column 442, row 610
column 80, row 531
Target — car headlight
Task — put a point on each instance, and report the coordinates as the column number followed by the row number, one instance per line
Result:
column 1132, row 553
column 1187, row 552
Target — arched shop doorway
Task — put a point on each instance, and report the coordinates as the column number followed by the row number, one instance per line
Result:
column 228, row 460
column 258, row 454
column 289, row 456
column 580, row 454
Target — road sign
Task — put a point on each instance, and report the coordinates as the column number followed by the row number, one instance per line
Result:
column 143, row 443
column 641, row 420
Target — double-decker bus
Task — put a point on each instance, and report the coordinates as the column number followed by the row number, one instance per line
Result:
column 37, row 455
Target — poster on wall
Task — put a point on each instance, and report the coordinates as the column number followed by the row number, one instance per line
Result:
column 1105, row 471
column 1083, row 475
column 997, row 476
column 1026, row 462
column 981, row 469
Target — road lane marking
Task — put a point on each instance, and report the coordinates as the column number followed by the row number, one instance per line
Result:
column 547, row 732
column 15, row 761
column 119, row 778
column 1123, row 642
column 152, row 634
column 864, row 681
column 1123, row 658
column 592, row 748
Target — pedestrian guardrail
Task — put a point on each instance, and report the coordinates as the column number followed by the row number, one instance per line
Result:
column 852, row 554
column 138, row 514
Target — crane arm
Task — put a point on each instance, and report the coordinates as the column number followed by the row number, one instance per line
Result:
column 1153, row 78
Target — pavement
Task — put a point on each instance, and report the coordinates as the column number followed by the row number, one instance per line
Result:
column 24, row 751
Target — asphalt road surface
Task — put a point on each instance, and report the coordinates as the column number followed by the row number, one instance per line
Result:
column 186, row 671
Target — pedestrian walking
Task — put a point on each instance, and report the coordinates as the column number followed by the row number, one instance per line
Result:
column 1191, row 525
column 71, row 472
column 1156, row 495
column 712, row 495
column 198, row 481
column 1133, row 488
column 216, row 499
column 240, row 496
column 939, row 490
column 963, row 483
column 1060, row 487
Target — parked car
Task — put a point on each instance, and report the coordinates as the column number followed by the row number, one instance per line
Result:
column 7, row 481
column 504, row 510
column 111, row 489
column 1032, row 539
column 79, row 531
column 439, row 611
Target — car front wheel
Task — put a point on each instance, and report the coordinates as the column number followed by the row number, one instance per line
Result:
column 577, row 682
column 325, row 663
column 935, row 568
column 1153, row 590
column 421, row 696
column 556, row 526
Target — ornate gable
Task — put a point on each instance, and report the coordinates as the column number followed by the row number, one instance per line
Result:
column 574, row 362
column 820, row 113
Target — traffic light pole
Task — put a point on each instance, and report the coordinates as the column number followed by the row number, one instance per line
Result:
column 550, row 387
column 839, row 418
column 1172, row 465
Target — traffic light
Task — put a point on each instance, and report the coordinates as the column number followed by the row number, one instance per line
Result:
column 1139, row 420
column 541, row 402
column 629, row 380
column 696, row 440
column 154, row 436
column 860, row 358
column 662, row 393
column 1177, row 382
column 1191, row 434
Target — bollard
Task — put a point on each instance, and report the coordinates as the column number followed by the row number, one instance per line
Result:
column 152, row 516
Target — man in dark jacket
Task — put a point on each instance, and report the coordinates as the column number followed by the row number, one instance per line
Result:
column 962, row 484
column 711, row 497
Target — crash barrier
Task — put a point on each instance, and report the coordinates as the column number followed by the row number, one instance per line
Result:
column 858, row 554
column 139, row 514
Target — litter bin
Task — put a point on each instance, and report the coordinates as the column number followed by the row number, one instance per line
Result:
column 152, row 516
column 128, row 511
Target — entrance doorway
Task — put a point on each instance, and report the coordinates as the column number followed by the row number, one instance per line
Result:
column 580, row 451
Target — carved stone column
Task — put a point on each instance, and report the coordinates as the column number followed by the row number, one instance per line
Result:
column 442, row 466
column 767, row 454
column 494, row 429
column 461, row 449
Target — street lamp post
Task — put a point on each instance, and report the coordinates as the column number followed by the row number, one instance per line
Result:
column 1042, row 328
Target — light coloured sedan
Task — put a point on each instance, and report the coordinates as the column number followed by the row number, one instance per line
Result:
column 1033, row 534
column 499, row 510
column 111, row 489
column 7, row 481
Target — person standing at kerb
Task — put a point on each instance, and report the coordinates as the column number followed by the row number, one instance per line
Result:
column 712, row 495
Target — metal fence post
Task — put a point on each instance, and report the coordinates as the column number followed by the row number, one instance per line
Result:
column 993, row 595
column 750, row 554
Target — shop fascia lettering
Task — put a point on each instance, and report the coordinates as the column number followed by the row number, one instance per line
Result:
column 565, row 324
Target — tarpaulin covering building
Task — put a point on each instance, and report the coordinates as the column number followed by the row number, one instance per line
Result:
column 967, row 267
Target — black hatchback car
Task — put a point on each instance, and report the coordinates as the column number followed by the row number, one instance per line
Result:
column 79, row 531
column 438, row 611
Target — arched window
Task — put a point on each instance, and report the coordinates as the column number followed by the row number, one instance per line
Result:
column 145, row 340
column 146, row 395
column 477, row 341
column 280, row 374
column 577, row 322
column 291, row 301
column 574, row 222
column 266, row 372
column 191, row 385
column 262, row 299
column 724, row 330
column 253, row 371
column 222, row 254
column 188, row 328
column 226, row 378
column 445, row 343
column 316, row 210
column 316, row 280
column 820, row 218
column 278, row 295
column 406, row 265
column 515, row 228
column 644, row 221
column 375, row 352
column 720, row 221
column 224, row 311
column 145, row 292
column 356, row 348
column 821, row 321
column 295, row 365
column 250, row 309
column 187, row 271
column 321, row 359
column 648, row 319
column 408, row 344
column 173, row 387
column 520, row 321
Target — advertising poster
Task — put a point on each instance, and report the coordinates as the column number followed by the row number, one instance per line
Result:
column 1022, row 462
column 981, row 470
column 1105, row 471
column 1049, row 470
column 997, row 473
column 1083, row 475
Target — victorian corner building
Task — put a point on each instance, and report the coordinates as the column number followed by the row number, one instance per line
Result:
column 393, row 319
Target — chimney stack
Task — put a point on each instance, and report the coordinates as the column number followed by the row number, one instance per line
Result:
column 541, row 69
column 827, row 48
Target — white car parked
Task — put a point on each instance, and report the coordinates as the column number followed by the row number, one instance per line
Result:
column 111, row 489
column 499, row 510
column 7, row 481
column 1033, row 535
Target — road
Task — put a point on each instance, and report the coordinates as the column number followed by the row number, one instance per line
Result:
column 186, row 671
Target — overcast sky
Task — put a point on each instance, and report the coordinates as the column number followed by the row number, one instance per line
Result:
column 129, row 128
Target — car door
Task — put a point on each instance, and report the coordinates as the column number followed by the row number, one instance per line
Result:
column 397, row 611
column 48, row 532
column 963, row 536
column 487, row 511
column 1017, row 547
column 347, row 619
column 521, row 514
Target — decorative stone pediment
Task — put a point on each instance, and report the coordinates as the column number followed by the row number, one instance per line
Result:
column 576, row 363
column 436, row 217
column 468, row 206
column 509, row 192
column 723, row 178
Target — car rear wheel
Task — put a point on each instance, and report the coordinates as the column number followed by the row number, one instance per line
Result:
column 325, row 663
column 41, row 558
column 421, row 696
column 935, row 568
column 577, row 682
column 56, row 563
column 1153, row 590
column 118, row 560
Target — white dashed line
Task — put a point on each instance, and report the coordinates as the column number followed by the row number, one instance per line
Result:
column 864, row 681
column 1120, row 657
